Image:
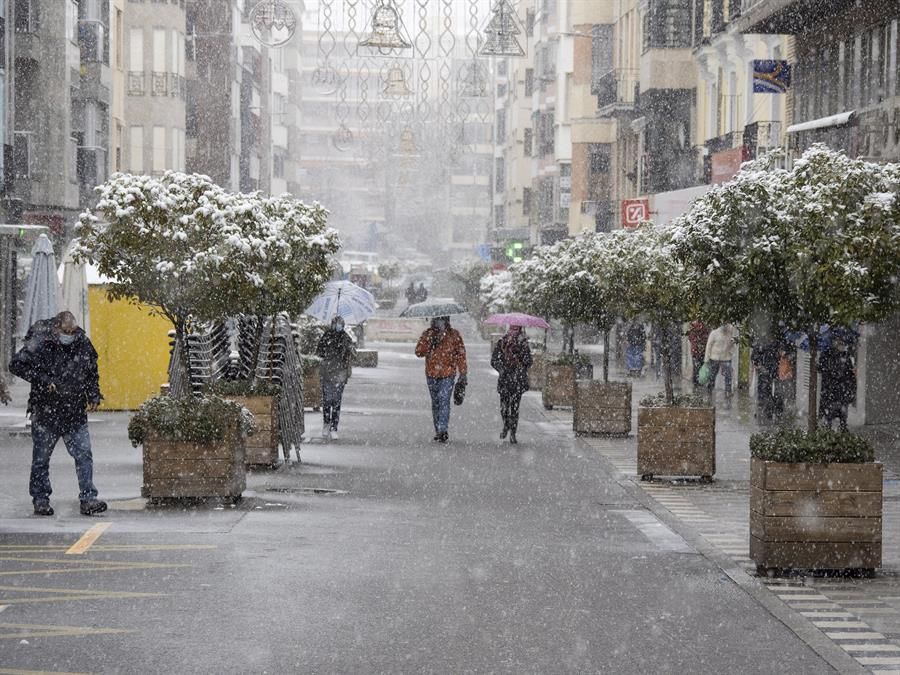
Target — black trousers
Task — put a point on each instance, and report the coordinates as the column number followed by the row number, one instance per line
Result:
column 509, row 409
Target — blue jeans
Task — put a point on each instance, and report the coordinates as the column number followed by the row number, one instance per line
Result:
column 441, row 389
column 78, row 443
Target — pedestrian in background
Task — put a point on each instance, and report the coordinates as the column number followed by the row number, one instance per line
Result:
column 838, row 370
column 335, row 348
column 511, row 359
column 765, row 358
column 444, row 352
column 697, row 335
column 60, row 362
column 5, row 398
column 718, row 355
column 636, row 341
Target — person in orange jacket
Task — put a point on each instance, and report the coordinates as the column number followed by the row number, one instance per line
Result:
column 444, row 352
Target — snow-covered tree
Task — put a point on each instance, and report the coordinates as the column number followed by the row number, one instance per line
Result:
column 652, row 283
column 818, row 244
column 190, row 250
column 496, row 292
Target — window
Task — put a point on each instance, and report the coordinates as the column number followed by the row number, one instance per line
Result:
column 529, row 22
column 499, row 174
column 526, row 201
column 72, row 21
column 278, row 165
column 136, row 149
column 528, row 142
column 25, row 16
column 667, row 23
column 159, row 50
column 529, row 81
column 136, row 49
column 601, row 54
column 501, row 125
column 159, row 150
column 499, row 216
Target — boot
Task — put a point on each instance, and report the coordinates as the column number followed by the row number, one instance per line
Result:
column 512, row 436
column 504, row 431
column 42, row 507
column 91, row 507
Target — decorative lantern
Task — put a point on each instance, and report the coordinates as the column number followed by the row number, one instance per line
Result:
column 387, row 29
column 396, row 83
column 501, row 31
column 342, row 138
column 273, row 23
column 408, row 142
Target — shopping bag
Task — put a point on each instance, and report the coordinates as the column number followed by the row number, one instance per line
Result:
column 705, row 375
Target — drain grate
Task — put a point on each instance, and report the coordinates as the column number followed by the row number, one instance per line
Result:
column 307, row 490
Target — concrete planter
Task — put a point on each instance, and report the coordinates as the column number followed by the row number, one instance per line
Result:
column 262, row 446
column 183, row 470
column 676, row 441
column 559, row 386
column 815, row 516
column 602, row 408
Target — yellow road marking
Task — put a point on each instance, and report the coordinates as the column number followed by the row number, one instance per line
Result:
column 87, row 539
column 12, row 671
column 49, row 548
column 27, row 630
column 102, row 568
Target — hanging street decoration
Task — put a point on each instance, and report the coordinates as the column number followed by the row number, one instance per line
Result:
column 388, row 31
column 502, row 29
column 273, row 22
column 395, row 83
column 472, row 80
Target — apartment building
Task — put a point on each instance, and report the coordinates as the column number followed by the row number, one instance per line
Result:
column 153, row 132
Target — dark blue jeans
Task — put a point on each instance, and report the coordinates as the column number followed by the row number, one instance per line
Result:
column 441, row 390
column 332, row 394
column 78, row 443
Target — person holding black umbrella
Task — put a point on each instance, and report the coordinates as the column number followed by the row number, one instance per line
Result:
column 444, row 352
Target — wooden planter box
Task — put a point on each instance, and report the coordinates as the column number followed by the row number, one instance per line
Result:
column 366, row 358
column 559, row 386
column 312, row 388
column 602, row 408
column 537, row 374
column 815, row 516
column 262, row 446
column 676, row 442
column 181, row 470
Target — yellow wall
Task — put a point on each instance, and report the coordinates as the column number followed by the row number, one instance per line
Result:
column 133, row 349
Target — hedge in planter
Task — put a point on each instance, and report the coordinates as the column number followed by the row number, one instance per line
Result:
column 192, row 447
column 815, row 502
column 677, row 439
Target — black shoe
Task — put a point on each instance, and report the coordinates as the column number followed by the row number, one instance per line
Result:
column 92, row 507
column 504, row 432
column 437, row 437
column 443, row 437
column 43, row 508
column 512, row 437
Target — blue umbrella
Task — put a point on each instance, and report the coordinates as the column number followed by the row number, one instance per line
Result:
column 42, row 287
column 345, row 299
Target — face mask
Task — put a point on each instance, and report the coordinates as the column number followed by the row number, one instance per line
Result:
column 65, row 339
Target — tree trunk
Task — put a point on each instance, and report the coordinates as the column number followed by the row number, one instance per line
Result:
column 665, row 352
column 180, row 385
column 606, row 356
column 812, row 422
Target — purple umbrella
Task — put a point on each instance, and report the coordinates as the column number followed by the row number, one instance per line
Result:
column 516, row 319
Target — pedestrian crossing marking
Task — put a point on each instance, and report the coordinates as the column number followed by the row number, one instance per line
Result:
column 17, row 631
column 872, row 648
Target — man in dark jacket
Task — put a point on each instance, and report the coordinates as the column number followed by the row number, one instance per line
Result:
column 335, row 348
column 60, row 362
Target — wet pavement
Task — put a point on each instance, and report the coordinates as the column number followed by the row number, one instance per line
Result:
column 385, row 552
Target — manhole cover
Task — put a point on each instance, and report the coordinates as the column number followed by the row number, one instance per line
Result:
column 307, row 490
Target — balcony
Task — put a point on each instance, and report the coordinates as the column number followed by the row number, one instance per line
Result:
column 617, row 92
column 788, row 17
column 137, row 83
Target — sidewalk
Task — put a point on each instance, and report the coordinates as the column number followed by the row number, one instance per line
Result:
column 862, row 616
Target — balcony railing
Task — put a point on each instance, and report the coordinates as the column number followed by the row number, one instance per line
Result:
column 137, row 83
column 616, row 90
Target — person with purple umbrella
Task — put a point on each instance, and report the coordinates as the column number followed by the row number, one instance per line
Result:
column 511, row 359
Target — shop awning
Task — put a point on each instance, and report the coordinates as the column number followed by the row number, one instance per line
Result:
column 838, row 120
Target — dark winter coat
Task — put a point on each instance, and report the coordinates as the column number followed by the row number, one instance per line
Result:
column 335, row 348
column 512, row 359
column 70, row 369
column 765, row 357
column 838, row 380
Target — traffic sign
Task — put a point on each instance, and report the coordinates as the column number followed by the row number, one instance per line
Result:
column 635, row 212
